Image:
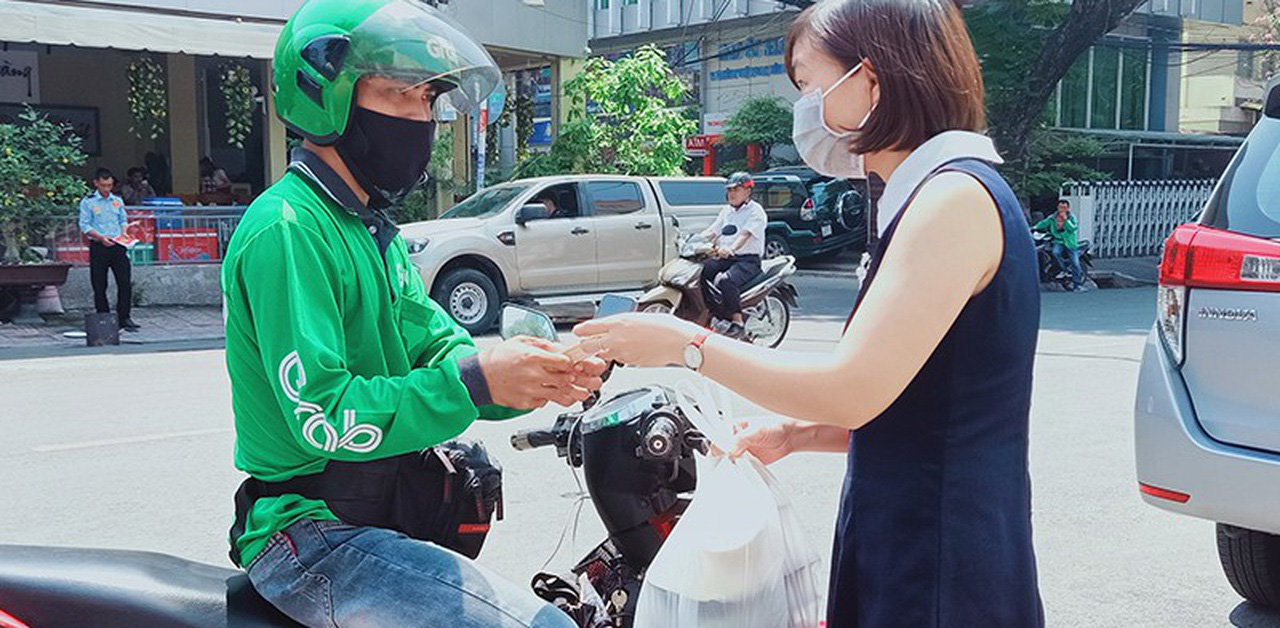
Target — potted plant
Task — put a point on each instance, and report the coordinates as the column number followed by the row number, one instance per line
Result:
column 37, row 192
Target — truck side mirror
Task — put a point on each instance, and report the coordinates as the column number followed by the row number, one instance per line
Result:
column 531, row 212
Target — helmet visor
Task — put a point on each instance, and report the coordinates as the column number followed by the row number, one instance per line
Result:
column 415, row 44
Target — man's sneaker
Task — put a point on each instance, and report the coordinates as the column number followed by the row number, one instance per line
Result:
column 736, row 331
column 130, row 326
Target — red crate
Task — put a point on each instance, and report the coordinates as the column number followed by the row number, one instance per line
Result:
column 71, row 250
column 187, row 245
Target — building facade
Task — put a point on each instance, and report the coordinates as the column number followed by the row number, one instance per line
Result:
column 1160, row 111
column 71, row 61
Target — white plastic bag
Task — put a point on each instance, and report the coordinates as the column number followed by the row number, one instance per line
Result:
column 737, row 558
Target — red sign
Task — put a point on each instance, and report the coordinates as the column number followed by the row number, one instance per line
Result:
column 698, row 145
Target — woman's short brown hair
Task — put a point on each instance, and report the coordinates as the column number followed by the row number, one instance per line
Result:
column 930, row 80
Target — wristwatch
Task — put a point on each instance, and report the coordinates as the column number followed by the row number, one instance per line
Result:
column 693, row 351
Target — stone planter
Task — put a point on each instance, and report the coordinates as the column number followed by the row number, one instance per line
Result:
column 26, row 281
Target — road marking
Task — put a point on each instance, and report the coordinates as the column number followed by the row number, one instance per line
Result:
column 110, row 442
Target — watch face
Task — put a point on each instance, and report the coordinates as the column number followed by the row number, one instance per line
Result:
column 693, row 357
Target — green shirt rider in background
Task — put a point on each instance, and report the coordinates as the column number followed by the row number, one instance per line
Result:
column 1063, row 227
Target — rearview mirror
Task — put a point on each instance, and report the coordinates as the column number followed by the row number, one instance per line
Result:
column 522, row 321
column 530, row 212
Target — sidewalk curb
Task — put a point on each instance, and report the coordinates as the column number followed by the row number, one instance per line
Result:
column 1116, row 279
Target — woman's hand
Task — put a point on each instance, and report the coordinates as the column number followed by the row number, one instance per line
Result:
column 638, row 339
column 768, row 439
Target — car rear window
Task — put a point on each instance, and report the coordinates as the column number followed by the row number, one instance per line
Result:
column 1248, row 198
column 780, row 195
column 690, row 193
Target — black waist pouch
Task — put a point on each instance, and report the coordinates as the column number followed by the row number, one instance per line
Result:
column 447, row 494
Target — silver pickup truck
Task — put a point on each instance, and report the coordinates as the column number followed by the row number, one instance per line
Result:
column 609, row 234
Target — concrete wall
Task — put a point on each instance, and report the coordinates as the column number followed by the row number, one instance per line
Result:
column 559, row 28
column 1214, row 85
column 192, row 284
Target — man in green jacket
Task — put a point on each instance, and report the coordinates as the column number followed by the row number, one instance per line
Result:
column 1063, row 227
column 334, row 350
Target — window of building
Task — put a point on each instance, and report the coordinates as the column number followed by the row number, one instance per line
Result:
column 1133, row 85
column 1106, row 82
column 1107, row 88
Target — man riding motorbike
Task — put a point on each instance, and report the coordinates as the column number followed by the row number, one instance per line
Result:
column 342, row 369
column 739, row 236
column 1064, row 228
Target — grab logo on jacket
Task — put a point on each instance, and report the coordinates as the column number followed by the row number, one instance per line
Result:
column 316, row 428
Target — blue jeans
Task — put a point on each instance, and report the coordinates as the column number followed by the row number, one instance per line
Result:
column 1069, row 259
column 328, row 574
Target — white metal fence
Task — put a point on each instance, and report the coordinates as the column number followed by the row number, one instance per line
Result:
column 1133, row 218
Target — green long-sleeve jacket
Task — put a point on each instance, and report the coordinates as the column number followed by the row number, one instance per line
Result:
column 334, row 350
column 1066, row 235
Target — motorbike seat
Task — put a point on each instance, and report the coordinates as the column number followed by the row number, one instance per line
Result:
column 59, row 586
column 769, row 269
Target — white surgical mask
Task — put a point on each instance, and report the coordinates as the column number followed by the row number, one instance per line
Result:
column 826, row 151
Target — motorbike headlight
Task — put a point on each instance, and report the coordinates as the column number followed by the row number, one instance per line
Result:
column 416, row 245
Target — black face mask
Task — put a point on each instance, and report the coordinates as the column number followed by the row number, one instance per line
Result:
column 388, row 156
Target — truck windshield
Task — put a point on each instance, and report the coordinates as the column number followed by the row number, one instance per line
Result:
column 485, row 203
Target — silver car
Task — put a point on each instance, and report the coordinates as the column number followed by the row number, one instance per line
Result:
column 1207, row 418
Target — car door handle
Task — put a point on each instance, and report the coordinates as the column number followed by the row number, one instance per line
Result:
column 580, row 231
column 643, row 225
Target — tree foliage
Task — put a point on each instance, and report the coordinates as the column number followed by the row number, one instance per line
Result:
column 1053, row 158
column 625, row 118
column 36, row 182
column 764, row 120
column 1268, row 32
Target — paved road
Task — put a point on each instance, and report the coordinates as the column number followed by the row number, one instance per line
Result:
column 133, row 451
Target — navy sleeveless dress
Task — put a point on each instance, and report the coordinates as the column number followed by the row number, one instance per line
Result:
column 935, row 520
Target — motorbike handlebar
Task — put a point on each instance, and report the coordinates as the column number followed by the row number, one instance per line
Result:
column 525, row 440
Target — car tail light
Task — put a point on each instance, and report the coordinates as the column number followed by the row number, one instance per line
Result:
column 1196, row 256
column 808, row 211
column 9, row 621
column 1164, row 493
column 1203, row 257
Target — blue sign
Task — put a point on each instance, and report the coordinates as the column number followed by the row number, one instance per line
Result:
column 751, row 71
column 541, row 135
column 753, row 49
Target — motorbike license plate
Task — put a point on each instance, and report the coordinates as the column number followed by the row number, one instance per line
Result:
column 827, row 230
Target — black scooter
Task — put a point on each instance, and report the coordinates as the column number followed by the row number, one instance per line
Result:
column 1051, row 271
column 636, row 453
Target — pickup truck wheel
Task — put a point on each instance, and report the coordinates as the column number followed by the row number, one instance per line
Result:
column 1251, row 561
column 775, row 246
column 471, row 298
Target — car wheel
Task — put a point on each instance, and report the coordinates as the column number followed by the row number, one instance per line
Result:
column 471, row 298
column 775, row 246
column 1251, row 561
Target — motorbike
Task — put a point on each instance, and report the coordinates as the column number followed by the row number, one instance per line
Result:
column 635, row 450
column 1053, row 272
column 767, row 300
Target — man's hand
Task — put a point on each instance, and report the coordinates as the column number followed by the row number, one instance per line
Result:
column 527, row 373
column 721, row 253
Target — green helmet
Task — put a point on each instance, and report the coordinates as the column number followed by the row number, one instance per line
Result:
column 328, row 45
